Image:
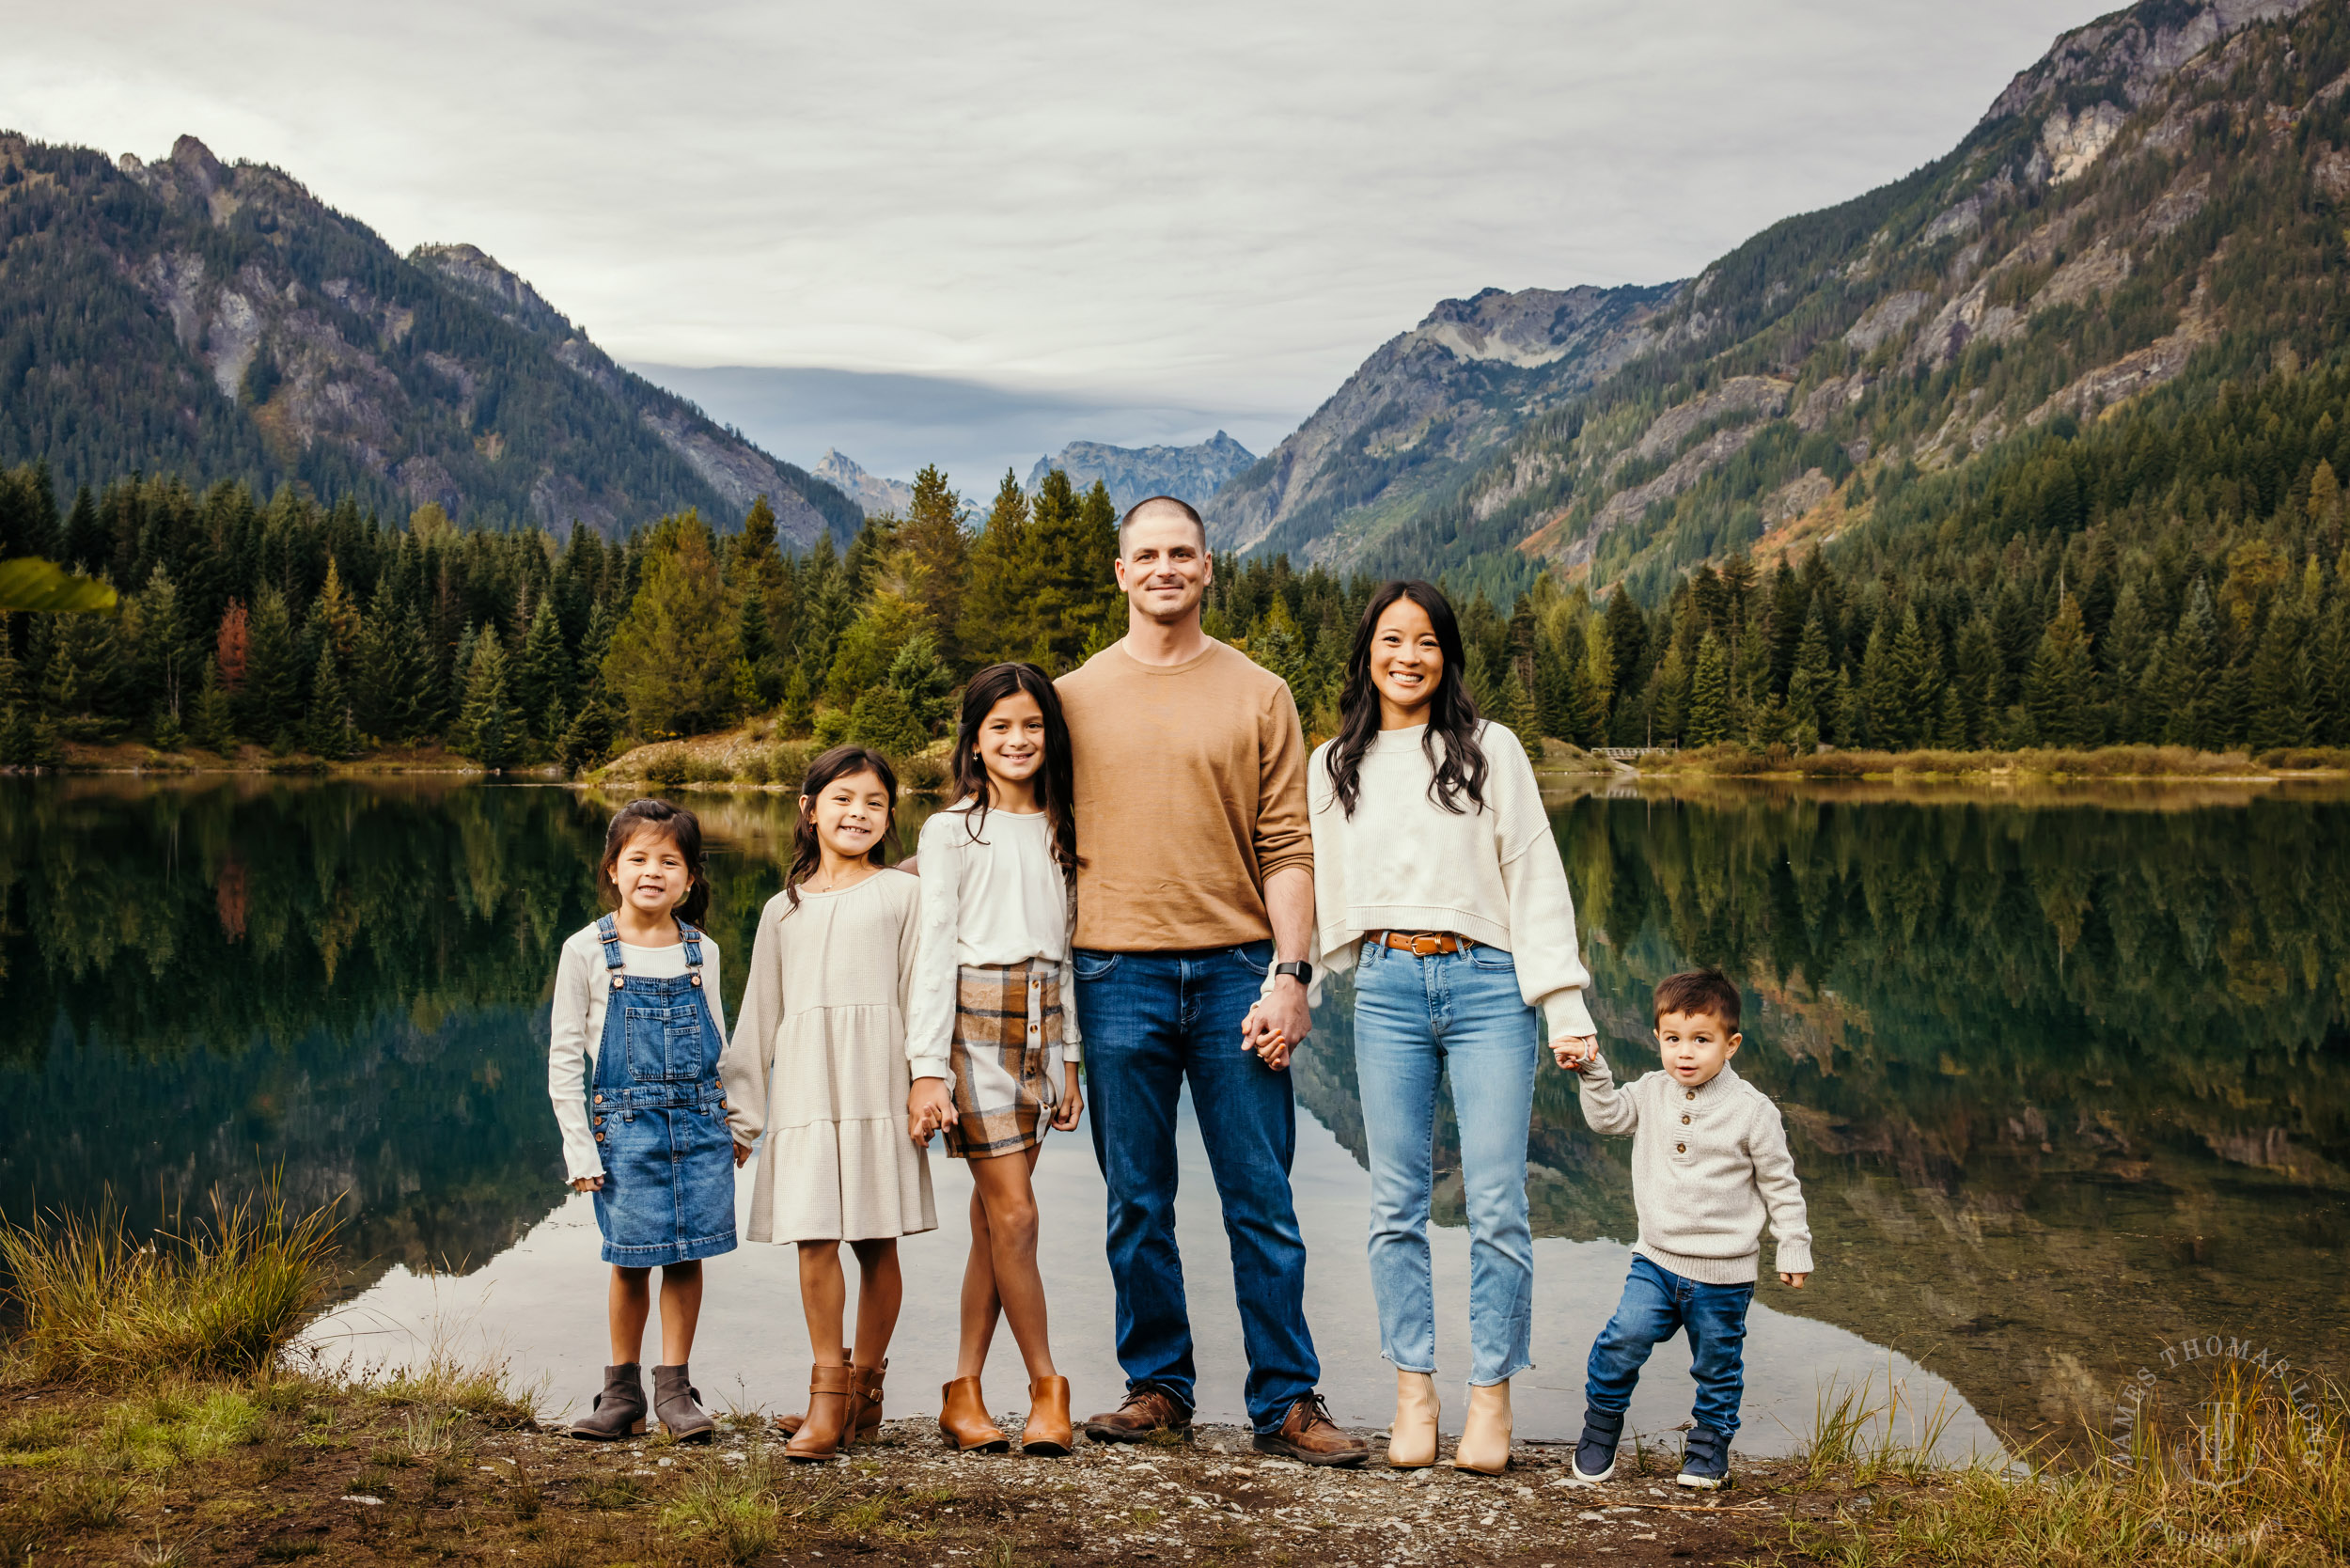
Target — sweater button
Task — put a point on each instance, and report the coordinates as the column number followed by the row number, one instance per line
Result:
column 1684, row 1119
column 1681, row 1148
column 1688, row 1094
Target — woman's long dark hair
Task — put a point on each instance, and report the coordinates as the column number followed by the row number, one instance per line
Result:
column 1451, row 713
column 673, row 823
column 1055, row 782
column 837, row 763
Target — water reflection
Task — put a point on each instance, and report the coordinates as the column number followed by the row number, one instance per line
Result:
column 2066, row 1078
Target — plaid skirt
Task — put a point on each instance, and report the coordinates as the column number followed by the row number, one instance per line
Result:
column 1005, row 1061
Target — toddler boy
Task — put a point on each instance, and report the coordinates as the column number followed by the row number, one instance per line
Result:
column 1709, row 1160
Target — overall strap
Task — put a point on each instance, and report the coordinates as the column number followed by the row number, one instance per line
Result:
column 693, row 947
column 609, row 933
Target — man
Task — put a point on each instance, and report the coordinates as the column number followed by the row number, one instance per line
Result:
column 1194, row 913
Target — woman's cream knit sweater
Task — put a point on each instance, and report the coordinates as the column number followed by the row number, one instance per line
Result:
column 1402, row 862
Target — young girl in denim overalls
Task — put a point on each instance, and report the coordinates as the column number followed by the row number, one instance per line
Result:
column 633, row 1068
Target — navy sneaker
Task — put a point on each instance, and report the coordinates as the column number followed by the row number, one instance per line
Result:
column 1595, row 1451
column 1705, row 1460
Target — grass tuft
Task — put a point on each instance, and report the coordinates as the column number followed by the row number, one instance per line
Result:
column 732, row 1507
column 97, row 1304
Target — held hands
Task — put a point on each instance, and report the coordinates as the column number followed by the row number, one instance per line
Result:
column 1574, row 1052
column 1794, row 1281
column 928, row 1109
column 587, row 1184
column 742, row 1155
column 1071, row 1104
column 1277, row 1023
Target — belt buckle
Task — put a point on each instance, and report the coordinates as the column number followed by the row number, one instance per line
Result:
column 1427, row 945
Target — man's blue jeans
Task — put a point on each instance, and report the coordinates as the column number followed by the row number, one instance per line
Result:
column 1657, row 1303
column 1150, row 1021
column 1458, row 1015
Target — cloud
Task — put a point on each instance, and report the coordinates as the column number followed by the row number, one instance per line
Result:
column 1223, row 204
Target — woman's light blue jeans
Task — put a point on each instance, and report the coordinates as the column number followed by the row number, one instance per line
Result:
column 1417, row 1018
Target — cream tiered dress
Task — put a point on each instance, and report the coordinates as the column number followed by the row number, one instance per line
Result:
column 818, row 1063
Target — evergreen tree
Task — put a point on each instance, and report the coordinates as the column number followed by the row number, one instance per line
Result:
column 387, row 686
column 165, row 655
column 922, row 678
column 489, row 728
column 543, row 684
column 271, row 694
column 589, row 737
column 1916, row 679
column 998, row 615
column 1811, row 680
column 884, row 720
column 1709, row 718
column 80, row 675
column 1882, row 719
column 1949, row 722
column 2279, row 686
column 1071, row 541
column 672, row 659
column 212, row 721
column 2057, row 690
column 933, row 533
column 1669, row 706
column 328, row 731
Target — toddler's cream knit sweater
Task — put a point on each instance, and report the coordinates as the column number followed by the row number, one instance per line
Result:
column 1707, row 1164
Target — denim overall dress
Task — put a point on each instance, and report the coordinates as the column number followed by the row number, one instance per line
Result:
column 661, row 1117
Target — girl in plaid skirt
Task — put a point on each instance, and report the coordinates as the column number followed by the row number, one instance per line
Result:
column 991, row 1030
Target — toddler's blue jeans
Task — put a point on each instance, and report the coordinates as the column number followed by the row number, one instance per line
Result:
column 1656, row 1304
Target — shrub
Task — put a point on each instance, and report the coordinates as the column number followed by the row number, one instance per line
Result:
column 704, row 770
column 96, row 1303
column 923, row 772
column 666, row 767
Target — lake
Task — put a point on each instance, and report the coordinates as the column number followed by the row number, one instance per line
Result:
column 2066, row 1075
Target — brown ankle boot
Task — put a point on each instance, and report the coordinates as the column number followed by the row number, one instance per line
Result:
column 819, row 1435
column 962, row 1416
column 789, row 1425
column 865, row 1398
column 1049, row 1431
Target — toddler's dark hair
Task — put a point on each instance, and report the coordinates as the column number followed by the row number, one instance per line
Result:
column 1699, row 990
column 839, row 762
column 673, row 823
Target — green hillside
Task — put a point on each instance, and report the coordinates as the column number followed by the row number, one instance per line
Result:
column 220, row 323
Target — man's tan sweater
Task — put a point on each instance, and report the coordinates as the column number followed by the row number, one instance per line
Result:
column 1191, row 790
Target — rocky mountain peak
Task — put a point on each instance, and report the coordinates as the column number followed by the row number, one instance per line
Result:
column 505, row 292
column 872, row 493
column 194, row 160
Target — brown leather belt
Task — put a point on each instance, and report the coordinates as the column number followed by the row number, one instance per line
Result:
column 1424, row 943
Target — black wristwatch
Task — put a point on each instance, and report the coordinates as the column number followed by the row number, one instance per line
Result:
column 1301, row 972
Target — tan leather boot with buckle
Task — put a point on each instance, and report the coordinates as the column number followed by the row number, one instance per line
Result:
column 820, row 1434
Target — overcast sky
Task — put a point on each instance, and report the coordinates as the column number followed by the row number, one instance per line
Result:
column 1220, row 207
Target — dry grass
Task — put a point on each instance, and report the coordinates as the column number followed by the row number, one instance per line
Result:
column 225, row 1296
column 2257, row 1473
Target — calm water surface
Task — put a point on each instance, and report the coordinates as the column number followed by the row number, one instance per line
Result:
column 2066, row 1078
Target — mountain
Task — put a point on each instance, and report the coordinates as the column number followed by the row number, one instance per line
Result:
column 871, row 491
column 1133, row 473
column 2152, row 211
column 221, row 322
column 1427, row 403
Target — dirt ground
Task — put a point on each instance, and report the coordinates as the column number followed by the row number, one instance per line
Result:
column 310, row 1472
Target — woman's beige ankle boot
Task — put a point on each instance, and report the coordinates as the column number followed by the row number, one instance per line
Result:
column 1485, row 1445
column 1412, row 1435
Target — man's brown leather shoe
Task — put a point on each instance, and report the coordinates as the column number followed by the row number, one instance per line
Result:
column 1147, row 1410
column 1311, row 1438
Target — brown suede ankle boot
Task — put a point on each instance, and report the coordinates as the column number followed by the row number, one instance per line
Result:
column 819, row 1435
column 962, row 1416
column 865, row 1398
column 1049, row 1431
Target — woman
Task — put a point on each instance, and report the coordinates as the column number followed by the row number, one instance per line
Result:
column 1436, row 877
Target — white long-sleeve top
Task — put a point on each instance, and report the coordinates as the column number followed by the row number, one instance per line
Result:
column 575, row 1029
column 1709, row 1165
column 998, row 900
column 1491, row 873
